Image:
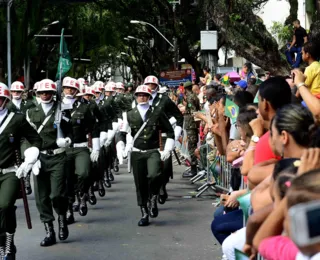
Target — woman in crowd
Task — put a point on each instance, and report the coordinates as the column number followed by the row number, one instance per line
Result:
column 247, row 71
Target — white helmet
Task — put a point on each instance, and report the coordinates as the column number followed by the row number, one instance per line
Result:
column 82, row 81
column 151, row 80
column 17, row 86
column 36, row 85
column 71, row 83
column 46, row 85
column 100, row 84
column 97, row 88
column 120, row 85
column 90, row 91
column 4, row 92
column 110, row 87
column 144, row 89
column 82, row 90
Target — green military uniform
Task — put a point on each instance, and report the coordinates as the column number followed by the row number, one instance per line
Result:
column 163, row 104
column 145, row 157
column 190, row 125
column 10, row 139
column 78, row 156
column 50, row 184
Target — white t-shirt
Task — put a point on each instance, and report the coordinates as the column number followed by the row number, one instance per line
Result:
column 300, row 256
column 234, row 133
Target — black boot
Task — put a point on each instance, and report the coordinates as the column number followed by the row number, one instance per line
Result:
column 92, row 197
column 70, row 216
column 27, row 184
column 153, row 207
column 95, row 186
column 144, row 221
column 76, row 204
column 163, row 195
column 111, row 177
column 191, row 172
column 50, row 238
column 2, row 245
column 63, row 227
column 83, row 209
column 10, row 249
column 115, row 165
column 102, row 191
column 107, row 183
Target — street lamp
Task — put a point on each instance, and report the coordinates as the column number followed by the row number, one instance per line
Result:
column 145, row 23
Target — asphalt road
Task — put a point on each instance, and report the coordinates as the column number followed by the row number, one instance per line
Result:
column 110, row 231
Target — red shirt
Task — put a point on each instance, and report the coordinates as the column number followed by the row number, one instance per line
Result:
column 263, row 150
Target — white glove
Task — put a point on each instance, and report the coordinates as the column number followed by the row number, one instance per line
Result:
column 31, row 156
column 111, row 134
column 168, row 147
column 120, row 151
column 103, row 138
column 127, row 150
column 172, row 120
column 177, row 132
column 63, row 142
column 94, row 156
column 115, row 126
column 36, row 168
column 124, row 126
column 120, row 121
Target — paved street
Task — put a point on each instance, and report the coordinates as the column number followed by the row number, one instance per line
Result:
column 110, row 231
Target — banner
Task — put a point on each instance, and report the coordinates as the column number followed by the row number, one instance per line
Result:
column 173, row 78
column 65, row 63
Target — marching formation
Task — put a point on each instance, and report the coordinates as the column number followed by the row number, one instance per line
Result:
column 72, row 139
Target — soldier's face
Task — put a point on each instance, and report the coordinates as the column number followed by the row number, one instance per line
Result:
column 87, row 97
column 152, row 86
column 46, row 95
column 142, row 98
column 16, row 94
column 69, row 91
column 108, row 93
column 97, row 95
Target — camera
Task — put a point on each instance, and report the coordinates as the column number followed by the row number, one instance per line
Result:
column 304, row 223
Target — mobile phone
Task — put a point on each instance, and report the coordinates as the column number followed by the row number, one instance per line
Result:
column 304, row 223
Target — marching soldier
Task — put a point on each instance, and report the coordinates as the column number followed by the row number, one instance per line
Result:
column 163, row 104
column 17, row 104
column 192, row 105
column 13, row 127
column 145, row 125
column 78, row 156
column 54, row 127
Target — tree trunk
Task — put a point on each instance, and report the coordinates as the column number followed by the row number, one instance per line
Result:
column 247, row 35
column 293, row 15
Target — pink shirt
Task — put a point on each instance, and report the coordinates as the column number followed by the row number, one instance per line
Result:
column 278, row 247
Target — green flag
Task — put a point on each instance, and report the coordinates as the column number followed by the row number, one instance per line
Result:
column 65, row 63
column 231, row 110
column 256, row 99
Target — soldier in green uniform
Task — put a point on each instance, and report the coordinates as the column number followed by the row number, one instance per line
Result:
column 163, row 104
column 18, row 104
column 145, row 125
column 192, row 105
column 78, row 156
column 13, row 127
column 50, row 184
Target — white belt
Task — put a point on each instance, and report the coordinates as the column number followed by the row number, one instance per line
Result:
column 54, row 152
column 143, row 151
column 10, row 169
column 164, row 134
column 84, row 144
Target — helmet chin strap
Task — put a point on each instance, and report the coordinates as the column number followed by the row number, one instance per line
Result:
column 3, row 106
column 143, row 103
column 69, row 96
column 17, row 97
column 155, row 90
column 46, row 101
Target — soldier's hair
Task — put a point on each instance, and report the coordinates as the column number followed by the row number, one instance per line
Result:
column 276, row 91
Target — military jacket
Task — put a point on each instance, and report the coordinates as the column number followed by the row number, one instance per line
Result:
column 110, row 110
column 24, row 106
column 163, row 103
column 82, row 121
column 97, row 116
column 149, row 137
column 192, row 106
column 11, row 136
column 128, row 98
column 48, row 134
column 119, row 105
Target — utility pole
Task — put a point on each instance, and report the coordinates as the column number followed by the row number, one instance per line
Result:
column 9, row 4
column 175, row 40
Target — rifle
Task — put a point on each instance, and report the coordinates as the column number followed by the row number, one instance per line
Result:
column 23, row 192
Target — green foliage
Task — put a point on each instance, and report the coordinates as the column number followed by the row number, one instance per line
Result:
column 283, row 33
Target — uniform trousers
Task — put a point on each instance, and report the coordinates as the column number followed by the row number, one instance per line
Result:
column 9, row 191
column 147, row 173
column 50, row 186
column 192, row 144
column 78, row 169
